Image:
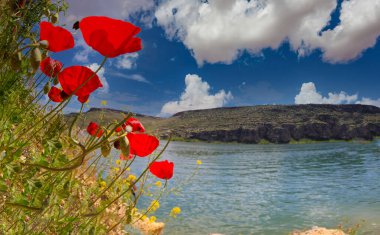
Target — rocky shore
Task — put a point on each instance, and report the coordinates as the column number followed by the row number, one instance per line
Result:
column 278, row 124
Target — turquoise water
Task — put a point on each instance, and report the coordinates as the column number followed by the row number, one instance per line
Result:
column 274, row 189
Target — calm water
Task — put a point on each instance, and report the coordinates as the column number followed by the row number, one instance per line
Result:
column 274, row 189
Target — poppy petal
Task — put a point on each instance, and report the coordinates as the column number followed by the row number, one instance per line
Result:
column 50, row 67
column 73, row 77
column 142, row 144
column 135, row 124
column 55, row 94
column 162, row 169
column 94, row 129
column 110, row 37
column 83, row 99
column 59, row 38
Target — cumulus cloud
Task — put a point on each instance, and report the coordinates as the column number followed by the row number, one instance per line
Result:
column 127, row 61
column 309, row 95
column 220, row 30
column 83, row 51
column 196, row 96
column 369, row 101
column 106, row 87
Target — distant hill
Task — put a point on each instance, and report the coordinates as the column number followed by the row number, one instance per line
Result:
column 257, row 124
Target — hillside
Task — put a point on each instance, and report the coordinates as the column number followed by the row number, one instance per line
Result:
column 255, row 124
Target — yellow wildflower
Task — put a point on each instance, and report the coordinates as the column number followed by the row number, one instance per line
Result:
column 103, row 102
column 154, row 205
column 143, row 217
column 152, row 219
column 175, row 211
column 134, row 211
column 103, row 184
column 131, row 178
column 158, row 184
column 116, row 169
column 199, row 162
column 118, row 162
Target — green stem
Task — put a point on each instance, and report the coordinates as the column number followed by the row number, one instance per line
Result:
column 133, row 184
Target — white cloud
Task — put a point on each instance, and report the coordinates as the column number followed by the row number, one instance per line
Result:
column 83, row 50
column 134, row 77
column 309, row 95
column 369, row 101
column 220, row 30
column 196, row 96
column 127, row 61
column 106, row 87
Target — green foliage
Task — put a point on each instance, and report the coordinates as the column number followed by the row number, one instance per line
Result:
column 51, row 179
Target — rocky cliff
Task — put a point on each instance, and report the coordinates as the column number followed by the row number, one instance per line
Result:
column 269, row 123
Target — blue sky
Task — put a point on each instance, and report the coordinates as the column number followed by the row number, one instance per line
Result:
column 227, row 66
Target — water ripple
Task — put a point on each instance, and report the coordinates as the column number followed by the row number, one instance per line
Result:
column 273, row 189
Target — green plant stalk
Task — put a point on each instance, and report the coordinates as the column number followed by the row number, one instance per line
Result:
column 85, row 152
column 113, row 182
column 134, row 183
column 94, row 215
column 69, row 98
column 150, row 208
column 121, row 220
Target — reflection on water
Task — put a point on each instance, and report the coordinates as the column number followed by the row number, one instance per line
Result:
column 274, row 189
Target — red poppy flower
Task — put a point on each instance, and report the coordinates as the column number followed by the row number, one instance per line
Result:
column 50, row 67
column 73, row 77
column 118, row 129
column 55, row 94
column 59, row 38
column 163, row 170
column 64, row 95
column 142, row 144
column 83, row 99
column 94, row 129
column 135, row 124
column 110, row 37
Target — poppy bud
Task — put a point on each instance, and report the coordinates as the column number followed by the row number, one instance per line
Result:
column 124, row 146
column 35, row 58
column 46, row 12
column 76, row 25
column 44, row 55
column 106, row 149
column 47, row 88
column 54, row 18
column 55, row 81
column 43, row 44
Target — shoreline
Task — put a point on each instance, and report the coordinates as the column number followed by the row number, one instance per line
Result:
column 266, row 142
